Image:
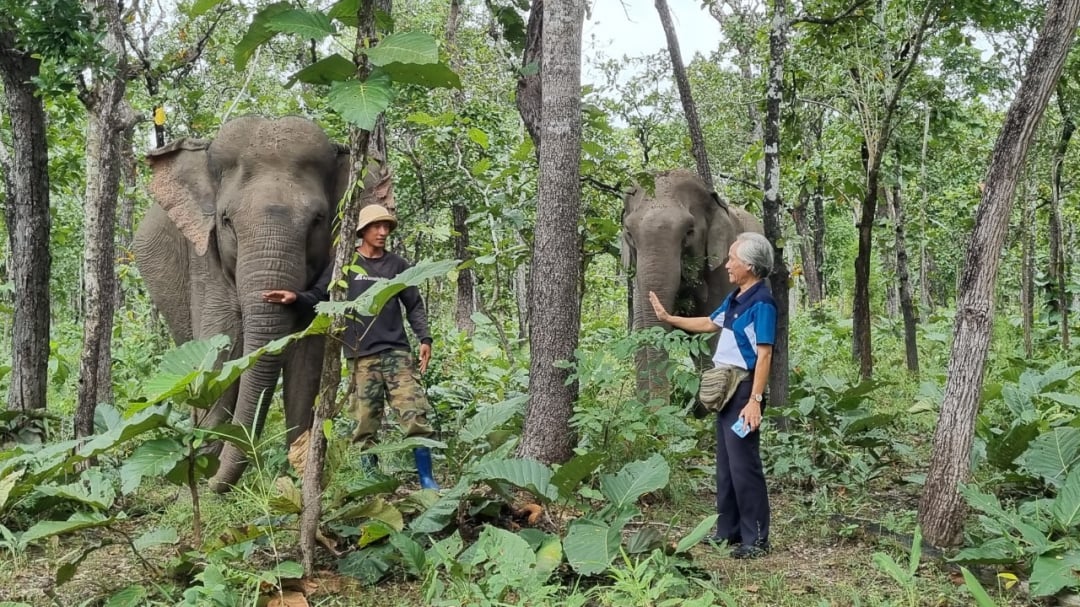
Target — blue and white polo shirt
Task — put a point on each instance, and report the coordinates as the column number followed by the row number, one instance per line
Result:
column 745, row 320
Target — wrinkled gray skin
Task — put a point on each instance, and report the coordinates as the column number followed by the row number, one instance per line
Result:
column 676, row 241
column 248, row 212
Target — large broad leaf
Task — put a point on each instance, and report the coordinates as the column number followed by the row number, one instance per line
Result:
column 635, row 479
column 1067, row 503
column 77, row 521
column 258, row 33
column 567, row 478
column 325, row 71
column 404, row 47
column 412, row 553
column 155, row 457
column 143, row 421
column 548, row 557
column 527, row 474
column 437, row 517
column 378, row 294
column 1002, row 450
column 1053, row 454
column 998, row 551
column 183, row 366
column 703, row 528
column 511, row 556
column 360, row 103
column 7, row 484
column 1051, row 574
column 314, row 25
column 369, row 565
column 591, row 545
column 488, row 419
column 156, row 537
column 132, row 596
column 345, row 11
column 93, row 490
column 427, row 75
column 1071, row 401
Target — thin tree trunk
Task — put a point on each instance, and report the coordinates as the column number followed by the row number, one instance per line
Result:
column 924, row 266
column 888, row 260
column 529, row 84
column 1057, row 250
column 1027, row 265
column 773, row 203
column 809, row 244
column 108, row 121
column 360, row 144
column 942, row 510
column 464, row 309
column 907, row 307
column 876, row 143
column 555, row 304
column 26, row 210
column 697, row 139
column 819, row 236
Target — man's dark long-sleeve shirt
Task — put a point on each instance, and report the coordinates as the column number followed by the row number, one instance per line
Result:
column 365, row 335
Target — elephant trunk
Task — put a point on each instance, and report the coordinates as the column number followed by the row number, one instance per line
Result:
column 262, row 323
column 661, row 275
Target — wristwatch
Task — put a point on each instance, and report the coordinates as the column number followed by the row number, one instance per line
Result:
column 757, row 397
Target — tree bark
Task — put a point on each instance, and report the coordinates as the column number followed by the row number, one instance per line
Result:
column 1057, row 250
column 810, row 241
column 773, row 203
column 927, row 301
column 697, row 139
column 1027, row 266
column 529, row 85
column 109, row 118
column 463, row 312
column 555, row 304
column 907, row 307
column 942, row 510
column 26, row 183
column 360, row 147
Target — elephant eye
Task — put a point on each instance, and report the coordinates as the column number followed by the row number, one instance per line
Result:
column 225, row 220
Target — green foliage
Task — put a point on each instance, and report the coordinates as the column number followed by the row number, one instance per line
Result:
column 904, row 575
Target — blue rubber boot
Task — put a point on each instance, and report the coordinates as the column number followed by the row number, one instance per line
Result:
column 423, row 468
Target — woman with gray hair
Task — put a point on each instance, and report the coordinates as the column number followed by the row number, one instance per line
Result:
column 746, row 321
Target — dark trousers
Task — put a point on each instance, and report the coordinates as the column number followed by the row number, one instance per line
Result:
column 742, row 500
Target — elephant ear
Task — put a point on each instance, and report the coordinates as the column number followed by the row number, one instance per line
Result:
column 182, row 185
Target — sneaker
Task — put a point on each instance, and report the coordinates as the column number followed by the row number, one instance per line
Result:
column 751, row 551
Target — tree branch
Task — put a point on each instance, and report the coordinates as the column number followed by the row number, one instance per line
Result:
column 748, row 184
column 614, row 190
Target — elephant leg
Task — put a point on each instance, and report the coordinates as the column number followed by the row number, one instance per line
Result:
column 302, row 374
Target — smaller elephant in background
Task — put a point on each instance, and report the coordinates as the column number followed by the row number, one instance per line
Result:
column 676, row 240
column 251, row 211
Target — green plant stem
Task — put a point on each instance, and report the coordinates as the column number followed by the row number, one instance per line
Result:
column 193, row 487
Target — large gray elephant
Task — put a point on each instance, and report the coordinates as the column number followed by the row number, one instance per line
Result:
column 248, row 212
column 676, row 241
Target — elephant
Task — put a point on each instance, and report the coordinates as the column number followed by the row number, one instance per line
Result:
column 676, row 239
column 250, row 211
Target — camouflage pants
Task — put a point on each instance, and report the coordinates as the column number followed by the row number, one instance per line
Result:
column 387, row 376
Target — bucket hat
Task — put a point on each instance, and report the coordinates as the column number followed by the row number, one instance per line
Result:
column 374, row 213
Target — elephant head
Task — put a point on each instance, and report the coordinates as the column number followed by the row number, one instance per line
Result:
column 676, row 239
column 248, row 212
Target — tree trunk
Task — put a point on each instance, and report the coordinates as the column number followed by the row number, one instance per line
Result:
column 942, row 510
column 925, row 298
column 697, row 140
column 819, row 236
column 464, row 309
column 555, row 304
column 888, row 260
column 26, row 211
column 773, row 203
column 861, row 348
column 360, row 147
column 532, row 62
column 108, row 122
column 1027, row 266
column 809, row 243
column 907, row 307
column 1057, row 250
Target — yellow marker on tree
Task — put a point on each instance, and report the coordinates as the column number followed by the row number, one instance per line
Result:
column 159, row 115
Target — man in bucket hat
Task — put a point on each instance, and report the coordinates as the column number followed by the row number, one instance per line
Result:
column 381, row 363
column 377, row 350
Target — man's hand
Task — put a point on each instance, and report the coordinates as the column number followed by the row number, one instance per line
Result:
column 658, row 308
column 425, row 356
column 751, row 415
column 281, row 297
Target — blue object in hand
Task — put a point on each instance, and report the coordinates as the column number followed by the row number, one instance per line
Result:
column 739, row 428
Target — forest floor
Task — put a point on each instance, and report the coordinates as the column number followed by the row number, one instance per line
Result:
column 821, row 555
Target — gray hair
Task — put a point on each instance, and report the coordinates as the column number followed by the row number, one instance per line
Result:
column 755, row 251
